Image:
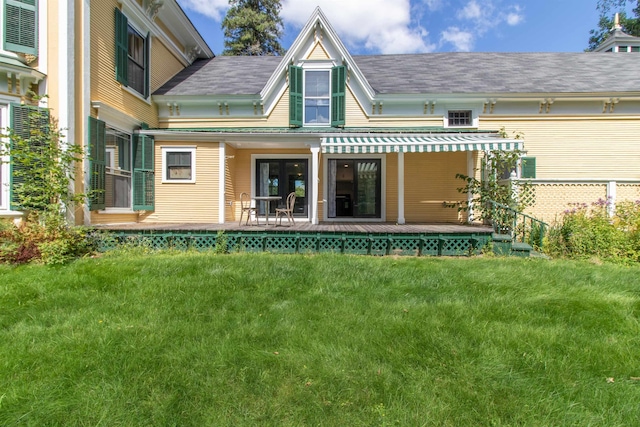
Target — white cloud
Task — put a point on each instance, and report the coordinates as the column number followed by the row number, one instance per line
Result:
column 461, row 40
column 378, row 25
column 471, row 11
column 212, row 8
column 434, row 4
column 514, row 19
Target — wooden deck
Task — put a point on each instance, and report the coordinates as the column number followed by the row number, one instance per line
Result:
column 325, row 227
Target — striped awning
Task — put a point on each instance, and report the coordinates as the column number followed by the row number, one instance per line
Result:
column 418, row 144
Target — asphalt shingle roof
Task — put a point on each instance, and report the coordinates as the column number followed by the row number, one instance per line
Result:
column 433, row 73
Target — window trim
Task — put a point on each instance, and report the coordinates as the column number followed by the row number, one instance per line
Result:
column 326, row 70
column 5, row 178
column 173, row 149
column 473, row 119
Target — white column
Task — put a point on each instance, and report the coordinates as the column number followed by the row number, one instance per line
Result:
column 401, row 219
column 315, row 180
column 470, row 172
column 611, row 198
column 66, row 81
column 222, row 162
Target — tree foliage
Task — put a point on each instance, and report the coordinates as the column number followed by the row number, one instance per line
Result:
column 42, row 168
column 607, row 10
column 253, row 27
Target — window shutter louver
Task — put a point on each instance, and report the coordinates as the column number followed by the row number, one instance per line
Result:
column 143, row 173
column 21, row 26
column 97, row 164
column 122, row 47
column 31, row 124
column 528, row 167
column 338, row 90
column 295, row 96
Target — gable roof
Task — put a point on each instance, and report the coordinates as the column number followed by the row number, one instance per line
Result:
column 495, row 73
column 222, row 75
column 432, row 73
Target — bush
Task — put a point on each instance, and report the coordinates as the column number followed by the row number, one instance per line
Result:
column 43, row 238
column 589, row 231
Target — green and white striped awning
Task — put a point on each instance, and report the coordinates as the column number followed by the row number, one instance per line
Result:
column 418, row 144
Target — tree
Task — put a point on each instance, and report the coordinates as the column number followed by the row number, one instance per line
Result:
column 253, row 27
column 42, row 168
column 607, row 9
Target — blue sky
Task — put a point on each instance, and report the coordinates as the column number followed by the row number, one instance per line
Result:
column 409, row 26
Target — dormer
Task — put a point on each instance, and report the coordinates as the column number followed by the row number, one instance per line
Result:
column 618, row 40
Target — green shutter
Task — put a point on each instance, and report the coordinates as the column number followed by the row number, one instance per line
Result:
column 21, row 26
column 143, row 173
column 122, row 47
column 31, row 124
column 295, row 96
column 97, row 164
column 528, row 167
column 338, row 89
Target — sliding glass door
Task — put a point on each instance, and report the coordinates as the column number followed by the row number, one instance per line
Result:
column 354, row 188
column 279, row 177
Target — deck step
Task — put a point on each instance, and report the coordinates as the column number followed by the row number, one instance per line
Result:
column 521, row 249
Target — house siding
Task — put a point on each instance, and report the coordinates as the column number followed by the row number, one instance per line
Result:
column 190, row 203
column 104, row 87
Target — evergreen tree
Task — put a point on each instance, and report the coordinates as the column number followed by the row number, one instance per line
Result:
column 253, row 27
column 607, row 9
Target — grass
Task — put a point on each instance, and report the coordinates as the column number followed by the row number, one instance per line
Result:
column 278, row 340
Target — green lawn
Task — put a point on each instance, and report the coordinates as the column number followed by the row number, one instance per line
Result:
column 330, row 340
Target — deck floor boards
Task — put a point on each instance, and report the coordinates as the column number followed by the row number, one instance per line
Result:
column 323, row 227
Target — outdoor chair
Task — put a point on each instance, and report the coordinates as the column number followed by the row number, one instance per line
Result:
column 245, row 207
column 287, row 210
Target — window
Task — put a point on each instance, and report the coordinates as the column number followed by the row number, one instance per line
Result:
column 279, row 177
column 121, row 169
column 459, row 118
column 118, row 169
column 179, row 164
column 317, row 96
column 21, row 26
column 132, row 56
column 4, row 167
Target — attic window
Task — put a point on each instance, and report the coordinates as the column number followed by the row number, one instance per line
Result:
column 459, row 118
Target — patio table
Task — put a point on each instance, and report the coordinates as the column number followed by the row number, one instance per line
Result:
column 267, row 200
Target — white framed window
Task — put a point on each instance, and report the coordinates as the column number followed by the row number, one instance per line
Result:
column 459, row 118
column 119, row 172
column 317, row 97
column 5, row 180
column 179, row 165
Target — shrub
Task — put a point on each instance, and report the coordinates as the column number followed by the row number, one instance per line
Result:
column 44, row 238
column 588, row 231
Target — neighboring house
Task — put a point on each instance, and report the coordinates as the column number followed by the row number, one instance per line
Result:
column 376, row 138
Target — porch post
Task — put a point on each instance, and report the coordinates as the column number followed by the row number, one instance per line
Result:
column 401, row 219
column 315, row 179
column 470, row 169
column 221, row 183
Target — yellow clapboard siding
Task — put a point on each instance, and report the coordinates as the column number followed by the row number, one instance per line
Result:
column 318, row 52
column 164, row 65
column 391, row 203
column 577, row 148
column 104, row 87
column 113, row 218
column 230, row 184
column 194, row 203
column 429, row 181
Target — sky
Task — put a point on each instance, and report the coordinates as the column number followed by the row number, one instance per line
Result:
column 420, row 26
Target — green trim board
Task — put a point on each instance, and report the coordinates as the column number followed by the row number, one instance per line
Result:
column 417, row 144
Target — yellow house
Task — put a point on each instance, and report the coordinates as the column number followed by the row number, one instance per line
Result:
column 176, row 135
